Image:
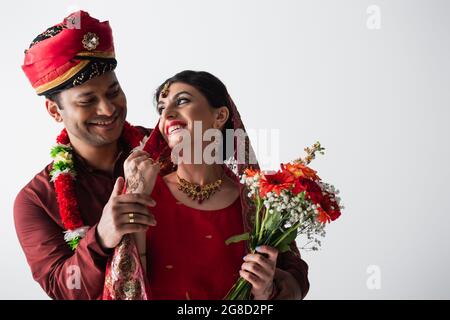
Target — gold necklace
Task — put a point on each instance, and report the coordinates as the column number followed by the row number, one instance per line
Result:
column 198, row 192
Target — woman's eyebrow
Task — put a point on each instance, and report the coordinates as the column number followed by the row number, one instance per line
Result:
column 180, row 93
column 175, row 97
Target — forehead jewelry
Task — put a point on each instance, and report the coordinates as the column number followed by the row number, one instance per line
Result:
column 165, row 90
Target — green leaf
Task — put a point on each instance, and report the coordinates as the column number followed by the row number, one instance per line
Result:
column 288, row 237
column 273, row 220
column 292, row 236
column 253, row 241
column 284, row 248
column 74, row 243
column 59, row 148
column 238, row 238
column 61, row 166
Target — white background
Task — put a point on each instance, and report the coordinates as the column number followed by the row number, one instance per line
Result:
column 378, row 100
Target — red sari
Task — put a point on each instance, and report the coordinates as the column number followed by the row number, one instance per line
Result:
column 187, row 257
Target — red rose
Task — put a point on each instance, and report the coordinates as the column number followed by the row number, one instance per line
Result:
column 312, row 189
column 326, row 201
column 330, row 205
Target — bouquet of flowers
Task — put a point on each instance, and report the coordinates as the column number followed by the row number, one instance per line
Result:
column 290, row 202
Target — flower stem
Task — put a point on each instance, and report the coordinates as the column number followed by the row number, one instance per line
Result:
column 240, row 291
column 261, row 231
column 258, row 209
column 286, row 234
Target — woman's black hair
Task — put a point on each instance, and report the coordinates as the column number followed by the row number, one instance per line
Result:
column 211, row 88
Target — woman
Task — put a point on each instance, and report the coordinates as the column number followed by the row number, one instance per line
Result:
column 200, row 204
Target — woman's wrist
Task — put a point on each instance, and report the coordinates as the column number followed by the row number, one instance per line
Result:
column 269, row 294
column 286, row 285
column 274, row 291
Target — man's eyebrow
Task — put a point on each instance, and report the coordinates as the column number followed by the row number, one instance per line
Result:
column 88, row 93
column 115, row 83
column 85, row 94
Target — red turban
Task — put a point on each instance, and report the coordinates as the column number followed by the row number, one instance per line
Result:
column 69, row 54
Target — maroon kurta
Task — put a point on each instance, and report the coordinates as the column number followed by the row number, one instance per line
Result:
column 54, row 265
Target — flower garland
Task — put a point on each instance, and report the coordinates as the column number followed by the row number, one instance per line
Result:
column 63, row 177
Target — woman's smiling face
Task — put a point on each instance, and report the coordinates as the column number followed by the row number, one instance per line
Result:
column 181, row 107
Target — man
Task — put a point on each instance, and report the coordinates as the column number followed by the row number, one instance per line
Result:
column 72, row 64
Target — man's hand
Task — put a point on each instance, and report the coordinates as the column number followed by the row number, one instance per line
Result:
column 115, row 220
column 259, row 270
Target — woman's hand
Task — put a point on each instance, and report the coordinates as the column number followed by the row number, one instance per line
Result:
column 140, row 172
column 140, row 176
column 259, row 270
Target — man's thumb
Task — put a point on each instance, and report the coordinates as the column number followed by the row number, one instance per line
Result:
column 118, row 187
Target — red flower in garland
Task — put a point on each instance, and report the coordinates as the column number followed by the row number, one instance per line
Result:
column 63, row 137
column 67, row 201
column 275, row 182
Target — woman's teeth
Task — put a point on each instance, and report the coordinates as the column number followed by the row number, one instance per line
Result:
column 173, row 128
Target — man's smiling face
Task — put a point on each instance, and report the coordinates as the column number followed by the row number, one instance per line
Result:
column 95, row 111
